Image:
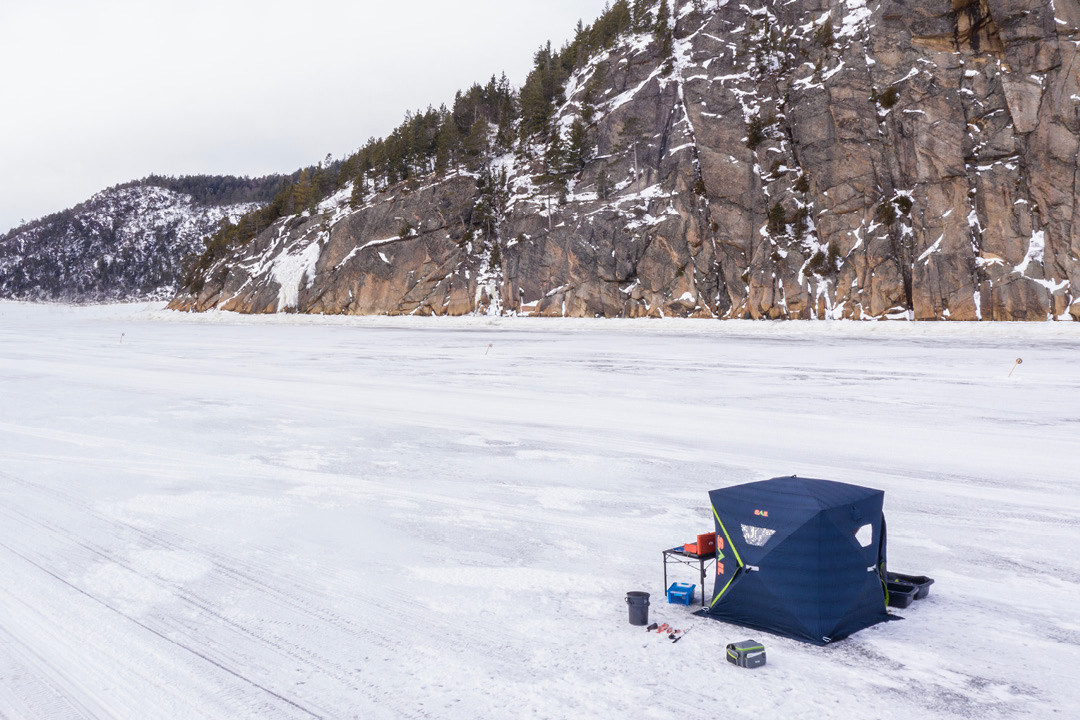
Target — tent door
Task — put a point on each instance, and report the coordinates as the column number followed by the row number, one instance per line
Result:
column 722, row 588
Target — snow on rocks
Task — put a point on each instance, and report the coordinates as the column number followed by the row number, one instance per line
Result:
column 289, row 271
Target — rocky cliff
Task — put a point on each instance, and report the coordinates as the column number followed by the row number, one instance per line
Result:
column 777, row 159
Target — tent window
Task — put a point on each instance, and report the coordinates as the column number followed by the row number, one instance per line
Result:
column 756, row 536
column 865, row 535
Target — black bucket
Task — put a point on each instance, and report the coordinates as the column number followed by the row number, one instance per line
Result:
column 638, row 602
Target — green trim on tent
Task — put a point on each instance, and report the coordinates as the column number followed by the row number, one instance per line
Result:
column 724, row 590
column 883, row 577
column 730, row 544
column 720, row 555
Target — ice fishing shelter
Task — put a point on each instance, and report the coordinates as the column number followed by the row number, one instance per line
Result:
column 801, row 558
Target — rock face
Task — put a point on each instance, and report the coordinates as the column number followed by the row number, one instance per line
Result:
column 125, row 243
column 909, row 159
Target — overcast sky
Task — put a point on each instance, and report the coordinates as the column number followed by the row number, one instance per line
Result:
column 97, row 93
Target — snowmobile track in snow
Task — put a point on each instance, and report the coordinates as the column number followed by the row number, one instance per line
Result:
column 234, row 573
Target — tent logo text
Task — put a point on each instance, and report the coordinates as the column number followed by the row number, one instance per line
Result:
column 762, row 513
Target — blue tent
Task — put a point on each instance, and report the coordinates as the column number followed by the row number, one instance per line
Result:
column 801, row 558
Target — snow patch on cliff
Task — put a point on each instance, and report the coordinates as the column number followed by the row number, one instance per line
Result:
column 288, row 271
column 1036, row 250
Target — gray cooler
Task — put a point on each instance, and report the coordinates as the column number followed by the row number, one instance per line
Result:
column 747, row 654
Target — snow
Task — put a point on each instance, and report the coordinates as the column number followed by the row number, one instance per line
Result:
column 856, row 19
column 936, row 247
column 289, row 272
column 384, row 241
column 213, row 516
column 914, row 72
column 680, row 148
column 832, row 73
column 338, row 200
column 1036, row 250
column 345, row 260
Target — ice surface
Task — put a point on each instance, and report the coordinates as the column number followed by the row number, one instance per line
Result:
column 290, row 517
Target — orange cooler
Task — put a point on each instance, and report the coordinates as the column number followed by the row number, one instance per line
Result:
column 706, row 544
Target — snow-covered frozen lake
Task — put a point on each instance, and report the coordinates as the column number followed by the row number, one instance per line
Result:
column 285, row 517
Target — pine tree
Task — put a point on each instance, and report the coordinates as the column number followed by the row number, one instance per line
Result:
column 663, row 18
column 318, row 180
column 537, row 105
column 447, row 144
column 555, row 156
column 504, row 133
column 603, row 184
column 777, row 223
column 490, row 207
column 579, row 147
column 359, row 192
column 327, row 178
column 301, row 192
column 592, row 91
column 475, row 145
column 616, row 22
column 506, row 114
column 662, row 33
column 640, row 15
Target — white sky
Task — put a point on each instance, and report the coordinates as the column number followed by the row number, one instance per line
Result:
column 94, row 94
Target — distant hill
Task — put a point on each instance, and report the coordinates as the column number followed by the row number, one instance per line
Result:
column 129, row 242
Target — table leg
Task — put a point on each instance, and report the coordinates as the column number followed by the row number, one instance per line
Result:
column 665, row 572
column 702, row 583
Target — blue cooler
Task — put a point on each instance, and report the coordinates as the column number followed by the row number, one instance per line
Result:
column 680, row 594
